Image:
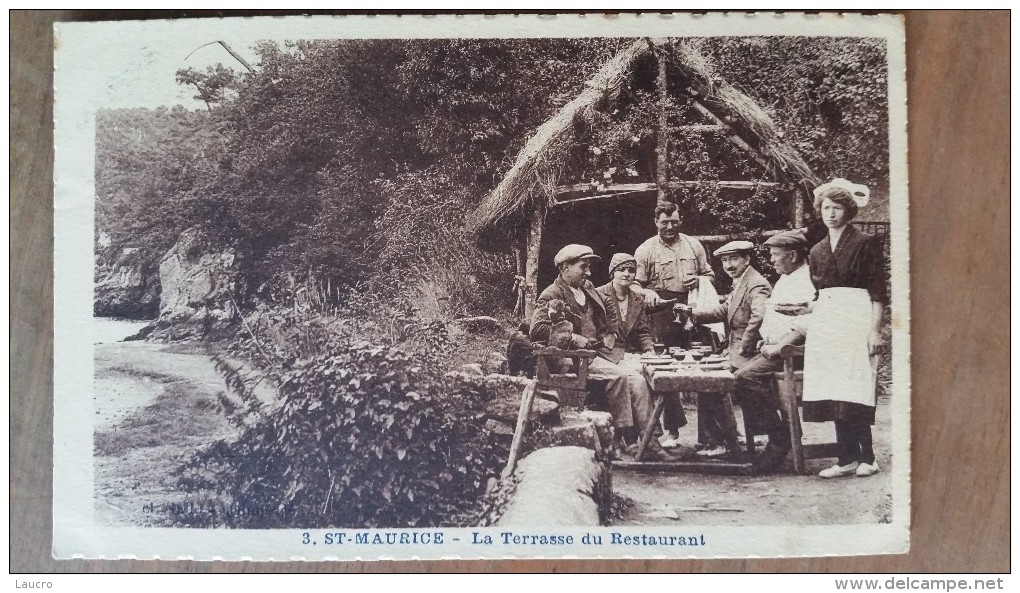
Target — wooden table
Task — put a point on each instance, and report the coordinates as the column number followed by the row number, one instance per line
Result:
column 669, row 380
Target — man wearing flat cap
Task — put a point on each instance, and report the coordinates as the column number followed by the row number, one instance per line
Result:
column 742, row 312
column 593, row 323
column 783, row 323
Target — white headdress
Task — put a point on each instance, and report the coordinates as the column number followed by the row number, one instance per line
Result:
column 860, row 193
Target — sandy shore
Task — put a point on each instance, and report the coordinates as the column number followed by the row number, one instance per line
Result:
column 155, row 406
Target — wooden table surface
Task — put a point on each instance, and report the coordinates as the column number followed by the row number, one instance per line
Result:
column 958, row 89
column 676, row 377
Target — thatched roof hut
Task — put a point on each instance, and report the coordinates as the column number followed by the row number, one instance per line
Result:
column 514, row 213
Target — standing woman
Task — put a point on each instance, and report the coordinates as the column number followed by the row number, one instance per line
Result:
column 844, row 334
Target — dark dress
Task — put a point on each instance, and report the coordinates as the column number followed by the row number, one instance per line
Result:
column 858, row 262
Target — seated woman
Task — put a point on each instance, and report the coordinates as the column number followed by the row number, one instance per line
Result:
column 590, row 323
column 633, row 337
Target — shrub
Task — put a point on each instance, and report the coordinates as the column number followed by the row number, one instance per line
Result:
column 365, row 436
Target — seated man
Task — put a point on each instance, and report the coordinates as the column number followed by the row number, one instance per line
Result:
column 742, row 313
column 593, row 325
column 791, row 297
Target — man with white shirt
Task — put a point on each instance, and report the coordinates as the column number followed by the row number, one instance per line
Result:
column 669, row 265
column 783, row 323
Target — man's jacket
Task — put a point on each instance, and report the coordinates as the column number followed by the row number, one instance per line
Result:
column 742, row 311
column 604, row 314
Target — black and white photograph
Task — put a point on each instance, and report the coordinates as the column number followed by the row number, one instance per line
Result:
column 481, row 287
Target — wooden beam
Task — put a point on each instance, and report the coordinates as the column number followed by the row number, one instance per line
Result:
column 719, row 468
column 600, row 197
column 534, row 239
column 611, row 188
column 521, row 296
column 527, row 399
column 732, row 136
column 799, row 194
column 703, row 128
column 726, row 184
column 622, row 189
column 661, row 136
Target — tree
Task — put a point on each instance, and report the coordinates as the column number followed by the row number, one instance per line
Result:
column 212, row 85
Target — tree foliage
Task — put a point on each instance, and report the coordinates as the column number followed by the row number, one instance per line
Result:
column 153, row 171
column 829, row 94
column 356, row 161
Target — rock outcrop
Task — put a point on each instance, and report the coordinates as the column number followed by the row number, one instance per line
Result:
column 126, row 284
column 199, row 276
column 505, row 404
column 560, row 487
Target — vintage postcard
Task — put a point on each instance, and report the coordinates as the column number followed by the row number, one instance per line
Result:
column 481, row 287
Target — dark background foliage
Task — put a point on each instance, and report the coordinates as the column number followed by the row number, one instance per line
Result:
column 356, row 161
column 344, row 171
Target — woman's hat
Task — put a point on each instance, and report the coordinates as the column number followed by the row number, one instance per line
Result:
column 860, row 193
column 621, row 259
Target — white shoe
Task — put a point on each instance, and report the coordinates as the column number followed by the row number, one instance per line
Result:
column 669, row 437
column 713, row 452
column 669, row 443
column 867, row 469
column 839, row 471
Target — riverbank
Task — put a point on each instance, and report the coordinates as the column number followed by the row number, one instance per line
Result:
column 155, row 405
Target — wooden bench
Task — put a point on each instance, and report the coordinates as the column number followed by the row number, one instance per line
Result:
column 789, row 384
column 572, row 387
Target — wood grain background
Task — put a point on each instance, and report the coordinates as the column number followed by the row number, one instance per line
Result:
column 958, row 93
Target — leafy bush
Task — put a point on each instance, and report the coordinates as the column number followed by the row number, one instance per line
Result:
column 363, row 436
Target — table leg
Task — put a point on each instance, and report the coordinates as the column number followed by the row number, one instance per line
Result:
column 646, row 435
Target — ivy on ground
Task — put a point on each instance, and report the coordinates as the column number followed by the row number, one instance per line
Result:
column 365, row 436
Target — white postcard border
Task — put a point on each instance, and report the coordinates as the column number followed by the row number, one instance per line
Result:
column 82, row 57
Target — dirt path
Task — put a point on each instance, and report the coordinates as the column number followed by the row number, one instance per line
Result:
column 781, row 499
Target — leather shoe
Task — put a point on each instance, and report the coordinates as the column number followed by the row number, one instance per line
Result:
column 770, row 460
column 867, row 469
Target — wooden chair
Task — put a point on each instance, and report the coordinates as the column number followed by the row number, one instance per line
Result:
column 570, row 387
column 790, row 387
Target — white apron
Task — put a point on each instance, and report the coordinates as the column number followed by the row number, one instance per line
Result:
column 836, row 362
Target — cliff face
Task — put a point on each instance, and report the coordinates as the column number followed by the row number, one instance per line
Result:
column 198, row 277
column 126, row 285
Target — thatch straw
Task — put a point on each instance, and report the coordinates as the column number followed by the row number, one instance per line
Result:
column 535, row 172
column 538, row 162
column 744, row 113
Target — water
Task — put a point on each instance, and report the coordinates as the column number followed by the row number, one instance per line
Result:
column 111, row 329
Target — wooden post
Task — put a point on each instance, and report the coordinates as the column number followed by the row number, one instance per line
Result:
column 662, row 138
column 527, row 399
column 798, row 207
column 534, row 239
column 520, row 293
